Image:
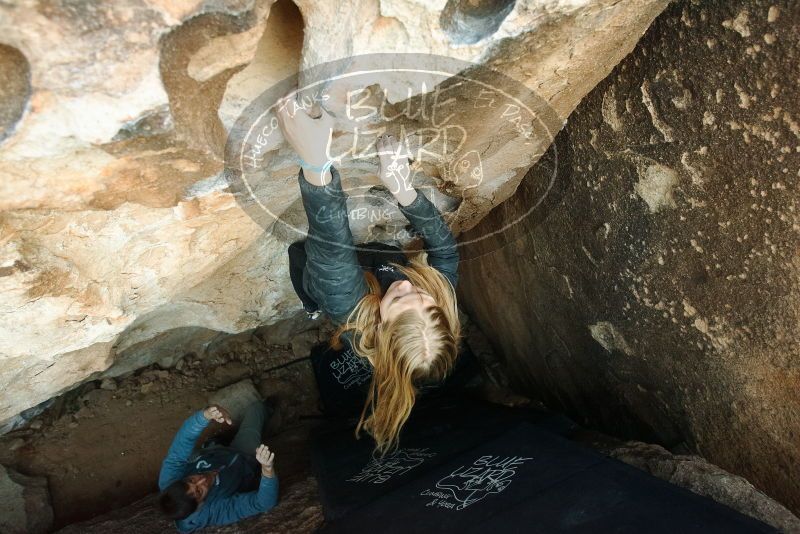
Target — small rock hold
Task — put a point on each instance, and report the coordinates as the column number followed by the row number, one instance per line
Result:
column 155, row 375
column 275, row 387
column 303, row 342
column 308, row 512
column 36, row 425
column 99, row 397
column 230, row 373
column 772, row 14
column 109, row 384
column 16, row 444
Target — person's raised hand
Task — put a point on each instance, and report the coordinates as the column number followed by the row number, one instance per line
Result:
column 218, row 414
column 395, row 171
column 267, row 460
column 309, row 137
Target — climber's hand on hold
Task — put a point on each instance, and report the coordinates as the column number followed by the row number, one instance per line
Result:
column 308, row 137
column 395, row 170
column 267, row 460
column 218, row 414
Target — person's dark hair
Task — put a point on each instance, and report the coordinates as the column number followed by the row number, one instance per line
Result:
column 175, row 503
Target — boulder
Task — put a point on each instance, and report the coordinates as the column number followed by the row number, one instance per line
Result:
column 303, row 342
column 229, row 373
column 645, row 276
column 118, row 226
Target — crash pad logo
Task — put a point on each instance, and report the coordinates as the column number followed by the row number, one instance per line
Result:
column 451, row 119
column 469, row 484
column 351, row 370
column 378, row 471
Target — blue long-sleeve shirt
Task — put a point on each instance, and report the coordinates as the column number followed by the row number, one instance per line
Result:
column 226, row 502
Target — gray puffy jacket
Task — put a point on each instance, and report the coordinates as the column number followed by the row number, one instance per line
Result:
column 333, row 276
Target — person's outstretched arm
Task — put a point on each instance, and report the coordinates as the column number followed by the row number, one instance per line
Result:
column 334, row 277
column 182, row 445
column 426, row 220
column 439, row 241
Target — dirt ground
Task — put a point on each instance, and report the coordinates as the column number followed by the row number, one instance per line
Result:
column 101, row 446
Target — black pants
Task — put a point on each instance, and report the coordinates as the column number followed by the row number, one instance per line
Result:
column 248, row 437
column 297, row 264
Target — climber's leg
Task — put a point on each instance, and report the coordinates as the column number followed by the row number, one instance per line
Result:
column 297, row 263
column 248, row 437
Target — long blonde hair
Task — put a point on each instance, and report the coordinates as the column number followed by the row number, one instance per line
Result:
column 414, row 345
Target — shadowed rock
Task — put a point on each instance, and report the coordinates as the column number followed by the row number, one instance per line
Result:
column 654, row 292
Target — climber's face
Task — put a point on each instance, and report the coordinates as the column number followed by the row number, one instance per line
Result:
column 199, row 485
column 402, row 296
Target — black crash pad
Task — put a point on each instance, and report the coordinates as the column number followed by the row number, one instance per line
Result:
column 438, row 429
column 511, row 477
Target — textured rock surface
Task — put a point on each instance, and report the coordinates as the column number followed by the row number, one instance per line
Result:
column 696, row 474
column 118, row 235
column 297, row 511
column 24, row 504
column 101, row 449
column 655, row 292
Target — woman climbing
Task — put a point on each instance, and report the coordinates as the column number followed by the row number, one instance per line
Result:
column 400, row 314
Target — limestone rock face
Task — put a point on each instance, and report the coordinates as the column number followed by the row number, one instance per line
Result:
column 118, row 231
column 654, row 291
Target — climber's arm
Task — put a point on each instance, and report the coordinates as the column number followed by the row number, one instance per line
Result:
column 421, row 213
column 439, row 240
column 181, row 449
column 334, row 277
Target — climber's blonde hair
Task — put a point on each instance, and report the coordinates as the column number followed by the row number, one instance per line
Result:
column 415, row 345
